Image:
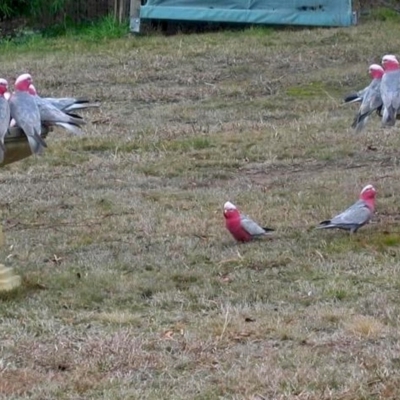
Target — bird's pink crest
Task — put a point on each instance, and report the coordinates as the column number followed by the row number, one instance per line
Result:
column 229, row 206
column 376, row 71
column 230, row 209
column 389, row 57
column 390, row 62
column 22, row 82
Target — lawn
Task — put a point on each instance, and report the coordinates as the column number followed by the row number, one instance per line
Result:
column 131, row 286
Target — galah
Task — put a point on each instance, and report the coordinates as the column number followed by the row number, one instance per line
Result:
column 26, row 114
column 390, row 90
column 67, row 104
column 371, row 99
column 356, row 215
column 50, row 115
column 241, row 227
column 4, row 116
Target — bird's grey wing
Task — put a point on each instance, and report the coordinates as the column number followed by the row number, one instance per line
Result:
column 390, row 88
column 4, row 124
column 51, row 114
column 357, row 214
column 396, row 100
column 61, row 102
column 355, row 97
column 372, row 98
column 27, row 116
column 375, row 101
column 4, row 116
column 25, row 112
column 362, row 92
column 68, row 104
column 250, row 226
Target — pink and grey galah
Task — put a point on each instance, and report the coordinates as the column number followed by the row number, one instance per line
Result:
column 241, row 227
column 390, row 89
column 356, row 215
column 50, row 115
column 26, row 114
column 5, row 116
column 371, row 99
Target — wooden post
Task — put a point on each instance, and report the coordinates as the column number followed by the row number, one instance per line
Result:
column 134, row 15
column 119, row 10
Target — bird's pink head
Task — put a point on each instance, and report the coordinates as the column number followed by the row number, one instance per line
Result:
column 230, row 210
column 390, row 62
column 368, row 193
column 3, row 86
column 376, row 71
column 32, row 90
column 22, row 83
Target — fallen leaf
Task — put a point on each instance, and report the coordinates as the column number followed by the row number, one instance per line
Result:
column 168, row 334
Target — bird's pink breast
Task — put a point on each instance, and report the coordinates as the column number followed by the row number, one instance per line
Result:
column 370, row 203
column 234, row 227
column 392, row 67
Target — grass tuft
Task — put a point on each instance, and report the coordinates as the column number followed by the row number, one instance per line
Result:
column 364, row 326
column 385, row 14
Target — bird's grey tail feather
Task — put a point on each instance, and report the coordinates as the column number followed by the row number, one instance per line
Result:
column 354, row 123
column 389, row 116
column 351, row 98
column 80, row 106
column 36, row 146
column 392, row 116
column 356, row 100
column 85, row 100
column 82, row 100
column 40, row 140
column 268, row 229
column 75, row 119
column 2, row 151
column 71, row 128
column 324, row 224
column 360, row 120
column 360, row 126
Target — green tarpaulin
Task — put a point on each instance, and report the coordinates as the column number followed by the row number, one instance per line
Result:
column 282, row 12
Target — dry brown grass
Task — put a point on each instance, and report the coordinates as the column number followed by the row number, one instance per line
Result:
column 132, row 288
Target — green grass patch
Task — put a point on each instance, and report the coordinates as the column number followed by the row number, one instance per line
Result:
column 385, row 14
column 313, row 89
